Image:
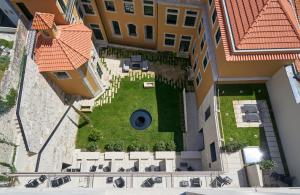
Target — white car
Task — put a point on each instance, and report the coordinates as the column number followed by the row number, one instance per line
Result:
column 126, row 65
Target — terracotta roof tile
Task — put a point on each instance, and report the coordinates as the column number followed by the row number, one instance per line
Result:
column 42, row 21
column 261, row 25
column 68, row 51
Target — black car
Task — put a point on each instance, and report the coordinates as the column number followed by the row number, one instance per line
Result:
column 42, row 178
column 148, row 183
column 57, row 182
column 67, row 179
column 32, row 184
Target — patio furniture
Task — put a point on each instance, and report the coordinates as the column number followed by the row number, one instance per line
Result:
column 126, row 65
column 93, row 168
column 190, row 168
column 42, row 178
column 121, row 169
column 32, row 183
column 66, row 179
column 184, row 183
column 183, row 164
column 157, row 168
column 145, row 65
column 227, row 180
column 109, row 179
column 136, row 61
column 220, row 181
column 149, row 85
column 158, row 179
column 251, row 117
column 100, row 166
column 178, row 169
column 120, row 182
column 57, row 182
column 249, row 108
column 148, row 183
column 196, row 182
column 106, row 169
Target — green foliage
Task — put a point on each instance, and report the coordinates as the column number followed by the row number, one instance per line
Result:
column 144, row 147
column 133, row 147
column 109, row 147
column 4, row 178
column 5, row 43
column 170, row 146
column 233, row 146
column 95, row 135
column 267, row 165
column 119, row 146
column 160, row 146
column 4, row 62
column 11, row 98
column 92, row 146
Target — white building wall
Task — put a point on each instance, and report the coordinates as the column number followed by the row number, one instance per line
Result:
column 210, row 131
column 287, row 115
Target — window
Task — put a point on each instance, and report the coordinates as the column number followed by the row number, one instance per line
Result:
column 110, row 6
column 87, row 6
column 62, row 5
column 210, row 2
column 116, row 28
column 185, row 43
column 96, row 31
column 213, row 154
column 190, row 18
column 131, row 30
column 172, row 16
column 214, row 16
column 170, row 39
column 148, row 32
column 207, row 113
column 202, row 43
column 202, row 144
column 195, row 64
column 198, row 79
column 218, row 36
column 80, row 13
column 148, row 7
column 194, row 47
column 205, row 62
column 61, row 75
column 128, row 6
column 199, row 27
column 25, row 11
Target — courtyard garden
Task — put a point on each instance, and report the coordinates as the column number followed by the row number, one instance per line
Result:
column 250, row 136
column 109, row 127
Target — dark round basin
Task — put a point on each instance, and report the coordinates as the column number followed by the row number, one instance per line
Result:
column 140, row 119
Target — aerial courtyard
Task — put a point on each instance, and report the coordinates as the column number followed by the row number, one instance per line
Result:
column 112, row 120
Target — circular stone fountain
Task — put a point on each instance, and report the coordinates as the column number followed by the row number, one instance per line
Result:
column 140, row 119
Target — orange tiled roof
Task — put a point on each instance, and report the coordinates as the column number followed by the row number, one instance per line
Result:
column 269, row 26
column 42, row 21
column 68, row 51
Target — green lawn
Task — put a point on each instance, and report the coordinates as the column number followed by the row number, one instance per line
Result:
column 251, row 136
column 163, row 102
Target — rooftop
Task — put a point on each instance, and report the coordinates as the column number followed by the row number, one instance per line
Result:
column 43, row 21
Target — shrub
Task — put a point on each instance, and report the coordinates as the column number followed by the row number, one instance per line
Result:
column 5, row 43
column 267, row 165
column 233, row 146
column 92, row 146
column 109, row 147
column 4, row 62
column 95, row 135
column 119, row 146
column 160, row 146
column 133, row 147
column 11, row 98
column 170, row 146
column 144, row 147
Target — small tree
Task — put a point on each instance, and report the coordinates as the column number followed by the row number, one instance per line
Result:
column 144, row 147
column 160, row 146
column 119, row 146
column 233, row 146
column 267, row 165
column 170, row 146
column 92, row 146
column 95, row 135
column 109, row 147
column 133, row 147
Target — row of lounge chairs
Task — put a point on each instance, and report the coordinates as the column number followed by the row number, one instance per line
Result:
column 56, row 182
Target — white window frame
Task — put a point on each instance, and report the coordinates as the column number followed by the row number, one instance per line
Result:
column 217, row 44
column 148, row 4
column 211, row 17
column 166, row 16
column 113, row 30
column 196, row 63
column 114, row 6
column 194, row 48
column 88, row 3
column 186, row 40
column 69, row 76
column 134, row 10
column 136, row 31
column 200, row 80
column 145, row 32
column 169, row 38
column 207, row 58
column 90, row 25
column 191, row 15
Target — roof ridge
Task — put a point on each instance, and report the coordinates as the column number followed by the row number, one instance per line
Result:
column 39, row 14
column 62, row 48
column 249, row 30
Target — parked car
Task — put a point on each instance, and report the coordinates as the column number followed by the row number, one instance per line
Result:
column 32, row 183
column 126, row 65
